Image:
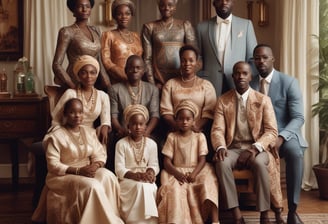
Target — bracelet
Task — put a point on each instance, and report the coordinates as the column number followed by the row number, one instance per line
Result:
column 77, row 171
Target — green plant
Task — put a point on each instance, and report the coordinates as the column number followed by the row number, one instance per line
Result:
column 321, row 108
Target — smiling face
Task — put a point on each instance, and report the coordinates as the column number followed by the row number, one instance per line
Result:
column 137, row 126
column 82, row 9
column 123, row 16
column 88, row 75
column 188, row 62
column 223, row 8
column 241, row 75
column 167, row 8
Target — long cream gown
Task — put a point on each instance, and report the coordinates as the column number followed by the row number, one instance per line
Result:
column 138, row 199
column 75, row 198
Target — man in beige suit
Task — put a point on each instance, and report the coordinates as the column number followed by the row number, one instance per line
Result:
column 243, row 129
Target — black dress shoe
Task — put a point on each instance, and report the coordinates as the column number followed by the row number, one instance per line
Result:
column 293, row 218
column 278, row 215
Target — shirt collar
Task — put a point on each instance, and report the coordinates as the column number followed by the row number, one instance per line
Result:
column 268, row 78
column 219, row 19
column 244, row 95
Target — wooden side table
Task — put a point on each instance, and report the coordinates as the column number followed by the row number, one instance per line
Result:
column 22, row 118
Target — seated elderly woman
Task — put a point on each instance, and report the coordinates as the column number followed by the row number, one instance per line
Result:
column 80, row 189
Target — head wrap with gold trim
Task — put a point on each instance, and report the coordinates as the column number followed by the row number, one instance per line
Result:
column 187, row 105
column 82, row 61
column 134, row 109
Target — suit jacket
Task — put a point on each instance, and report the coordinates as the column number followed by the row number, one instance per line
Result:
column 260, row 118
column 239, row 48
column 286, row 98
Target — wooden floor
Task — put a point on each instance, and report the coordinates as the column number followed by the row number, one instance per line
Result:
column 16, row 207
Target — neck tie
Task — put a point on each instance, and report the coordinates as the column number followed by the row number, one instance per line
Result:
column 241, row 109
column 263, row 87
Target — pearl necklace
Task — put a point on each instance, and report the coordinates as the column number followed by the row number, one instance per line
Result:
column 138, row 148
column 188, row 80
column 135, row 97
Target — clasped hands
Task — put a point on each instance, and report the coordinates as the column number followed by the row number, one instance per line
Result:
column 89, row 170
column 147, row 177
column 185, row 178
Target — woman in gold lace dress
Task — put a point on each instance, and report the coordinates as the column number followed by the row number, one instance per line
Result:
column 76, row 40
column 118, row 44
column 161, row 41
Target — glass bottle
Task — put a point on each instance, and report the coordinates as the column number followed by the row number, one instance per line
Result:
column 3, row 81
column 29, row 81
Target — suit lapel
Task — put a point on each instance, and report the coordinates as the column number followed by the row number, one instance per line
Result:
column 251, row 116
column 212, row 35
column 274, row 86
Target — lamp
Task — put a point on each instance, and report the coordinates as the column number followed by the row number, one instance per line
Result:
column 263, row 13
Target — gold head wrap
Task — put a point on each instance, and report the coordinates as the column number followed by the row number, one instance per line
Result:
column 82, row 61
column 118, row 3
column 134, row 109
column 187, row 105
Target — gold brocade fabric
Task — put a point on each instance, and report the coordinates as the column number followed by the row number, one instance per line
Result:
column 72, row 42
column 161, row 47
column 186, row 203
column 116, row 48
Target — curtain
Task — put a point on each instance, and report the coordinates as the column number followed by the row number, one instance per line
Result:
column 42, row 21
column 300, row 58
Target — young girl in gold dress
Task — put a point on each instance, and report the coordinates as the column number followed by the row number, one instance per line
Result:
column 189, row 190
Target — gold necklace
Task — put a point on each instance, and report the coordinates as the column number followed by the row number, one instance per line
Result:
column 75, row 136
column 87, row 34
column 126, row 36
column 88, row 103
column 138, row 148
column 135, row 97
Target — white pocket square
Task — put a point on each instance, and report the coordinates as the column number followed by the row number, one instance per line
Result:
column 240, row 34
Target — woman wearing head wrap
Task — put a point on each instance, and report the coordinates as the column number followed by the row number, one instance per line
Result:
column 136, row 166
column 161, row 40
column 75, row 40
column 96, row 102
column 118, row 44
column 189, row 190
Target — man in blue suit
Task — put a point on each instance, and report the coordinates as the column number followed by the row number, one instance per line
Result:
column 224, row 40
column 286, row 98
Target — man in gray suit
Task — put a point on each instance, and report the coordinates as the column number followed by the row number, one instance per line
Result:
column 287, row 102
column 224, row 40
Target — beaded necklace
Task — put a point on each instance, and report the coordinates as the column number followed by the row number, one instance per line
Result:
column 88, row 104
column 126, row 36
column 138, row 148
column 135, row 97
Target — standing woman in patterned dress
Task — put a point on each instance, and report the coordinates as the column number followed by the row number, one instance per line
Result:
column 118, row 44
column 75, row 40
column 161, row 41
